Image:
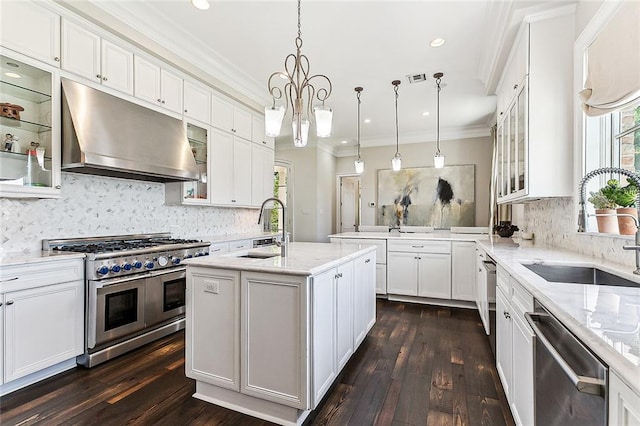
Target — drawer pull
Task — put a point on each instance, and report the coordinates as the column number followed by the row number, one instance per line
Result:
column 9, row 302
column 506, row 314
column 214, row 250
column 9, row 279
column 417, row 246
column 367, row 261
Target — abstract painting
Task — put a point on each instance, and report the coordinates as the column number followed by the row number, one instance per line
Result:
column 426, row 196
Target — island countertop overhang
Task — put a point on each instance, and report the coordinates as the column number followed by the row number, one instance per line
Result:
column 304, row 259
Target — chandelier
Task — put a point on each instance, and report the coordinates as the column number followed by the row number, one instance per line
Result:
column 359, row 164
column 295, row 85
column 438, row 158
column 396, row 161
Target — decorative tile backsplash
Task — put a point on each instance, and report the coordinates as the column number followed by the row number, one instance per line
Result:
column 554, row 222
column 97, row 206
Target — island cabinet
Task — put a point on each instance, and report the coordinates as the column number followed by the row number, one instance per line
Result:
column 419, row 268
column 624, row 402
column 271, row 344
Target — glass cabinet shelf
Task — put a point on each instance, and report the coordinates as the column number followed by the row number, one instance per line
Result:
column 197, row 142
column 23, row 92
column 25, row 125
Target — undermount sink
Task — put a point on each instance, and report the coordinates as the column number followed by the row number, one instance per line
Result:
column 579, row 275
column 260, row 255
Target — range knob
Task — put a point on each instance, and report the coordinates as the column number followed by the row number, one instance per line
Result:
column 127, row 266
column 199, row 253
column 115, row 268
column 162, row 260
column 175, row 260
column 149, row 265
column 137, row 264
column 103, row 270
column 188, row 256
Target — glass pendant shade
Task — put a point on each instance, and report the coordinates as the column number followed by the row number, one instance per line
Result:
column 438, row 161
column 359, row 165
column 273, row 116
column 300, row 141
column 396, row 162
column 324, row 116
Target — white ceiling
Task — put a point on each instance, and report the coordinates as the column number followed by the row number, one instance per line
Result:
column 355, row 43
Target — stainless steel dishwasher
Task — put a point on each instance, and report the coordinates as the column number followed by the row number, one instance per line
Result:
column 570, row 382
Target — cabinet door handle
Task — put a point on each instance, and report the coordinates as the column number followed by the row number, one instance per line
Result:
column 336, row 276
column 506, row 314
column 9, row 302
column 233, row 201
column 159, row 100
column 57, row 59
column 9, row 279
column 186, row 110
column 264, row 142
column 515, row 86
column 367, row 261
column 104, row 78
column 215, row 250
column 58, row 186
column 98, row 76
column 162, row 101
column 479, row 269
column 0, row 303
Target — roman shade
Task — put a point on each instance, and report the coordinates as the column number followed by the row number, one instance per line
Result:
column 613, row 64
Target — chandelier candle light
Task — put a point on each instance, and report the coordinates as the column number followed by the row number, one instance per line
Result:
column 396, row 161
column 359, row 164
column 297, row 84
column 438, row 159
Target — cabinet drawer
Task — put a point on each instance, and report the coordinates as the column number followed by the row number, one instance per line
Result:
column 381, row 246
column 502, row 280
column 521, row 299
column 419, row 246
column 218, row 249
column 41, row 273
column 240, row 245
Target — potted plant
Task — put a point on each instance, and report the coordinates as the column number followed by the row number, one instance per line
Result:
column 625, row 198
column 604, row 205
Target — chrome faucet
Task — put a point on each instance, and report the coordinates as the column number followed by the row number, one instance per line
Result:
column 582, row 215
column 283, row 243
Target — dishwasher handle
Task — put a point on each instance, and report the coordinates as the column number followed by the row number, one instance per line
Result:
column 489, row 266
column 590, row 385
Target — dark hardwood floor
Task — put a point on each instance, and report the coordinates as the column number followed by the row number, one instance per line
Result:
column 419, row 365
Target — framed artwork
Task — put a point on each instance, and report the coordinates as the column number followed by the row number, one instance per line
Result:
column 426, row 196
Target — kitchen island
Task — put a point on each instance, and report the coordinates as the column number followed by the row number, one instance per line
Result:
column 267, row 335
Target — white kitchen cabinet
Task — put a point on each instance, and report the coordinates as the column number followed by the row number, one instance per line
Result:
column 262, row 159
column 463, row 272
column 257, row 132
column 522, row 386
column 325, row 325
column 87, row 54
column 535, row 111
column 157, row 85
column 228, row 115
column 52, row 292
column 230, row 170
column 624, row 402
column 37, row 129
column 381, row 257
column 29, row 28
column 213, row 352
column 197, row 102
column 242, row 165
column 347, row 312
column 381, row 278
column 364, row 305
column 504, row 342
column 419, row 268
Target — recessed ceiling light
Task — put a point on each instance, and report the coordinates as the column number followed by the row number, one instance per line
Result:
column 345, row 141
column 200, row 4
column 367, row 120
column 12, row 75
column 424, row 114
column 437, row 42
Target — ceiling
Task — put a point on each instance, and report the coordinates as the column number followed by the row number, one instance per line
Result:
column 355, row 43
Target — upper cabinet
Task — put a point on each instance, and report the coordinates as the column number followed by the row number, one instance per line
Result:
column 31, row 30
column 95, row 58
column 257, row 132
column 197, row 102
column 229, row 116
column 30, row 128
column 157, row 85
column 534, row 136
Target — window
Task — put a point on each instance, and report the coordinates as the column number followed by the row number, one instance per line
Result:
column 626, row 138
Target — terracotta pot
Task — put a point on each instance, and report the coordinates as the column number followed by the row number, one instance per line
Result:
column 607, row 224
column 626, row 224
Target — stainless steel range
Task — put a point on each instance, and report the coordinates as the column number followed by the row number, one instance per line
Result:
column 135, row 289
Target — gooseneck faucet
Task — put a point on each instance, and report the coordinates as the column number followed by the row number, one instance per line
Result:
column 283, row 243
column 582, row 215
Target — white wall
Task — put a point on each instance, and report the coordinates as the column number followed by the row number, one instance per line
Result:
column 476, row 151
column 97, row 206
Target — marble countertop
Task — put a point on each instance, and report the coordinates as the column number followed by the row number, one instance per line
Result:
column 302, row 259
column 436, row 235
column 21, row 258
column 237, row 237
column 605, row 318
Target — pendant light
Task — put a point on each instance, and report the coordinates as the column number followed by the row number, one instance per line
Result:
column 438, row 159
column 359, row 164
column 296, row 84
column 396, row 161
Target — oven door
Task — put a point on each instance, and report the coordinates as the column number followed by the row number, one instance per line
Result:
column 115, row 309
column 165, row 296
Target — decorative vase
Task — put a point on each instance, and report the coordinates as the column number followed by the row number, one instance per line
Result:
column 626, row 224
column 607, row 224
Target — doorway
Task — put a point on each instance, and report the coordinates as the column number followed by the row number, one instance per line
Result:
column 282, row 189
column 349, row 209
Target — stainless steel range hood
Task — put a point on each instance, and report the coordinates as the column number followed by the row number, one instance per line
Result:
column 108, row 136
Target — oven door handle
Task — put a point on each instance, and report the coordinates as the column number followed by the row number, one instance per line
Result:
column 119, row 280
column 166, row 271
column 584, row 384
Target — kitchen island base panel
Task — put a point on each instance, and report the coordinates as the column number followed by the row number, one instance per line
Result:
column 252, row 406
column 431, row 301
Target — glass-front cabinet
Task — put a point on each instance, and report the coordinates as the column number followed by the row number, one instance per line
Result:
column 197, row 192
column 29, row 128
